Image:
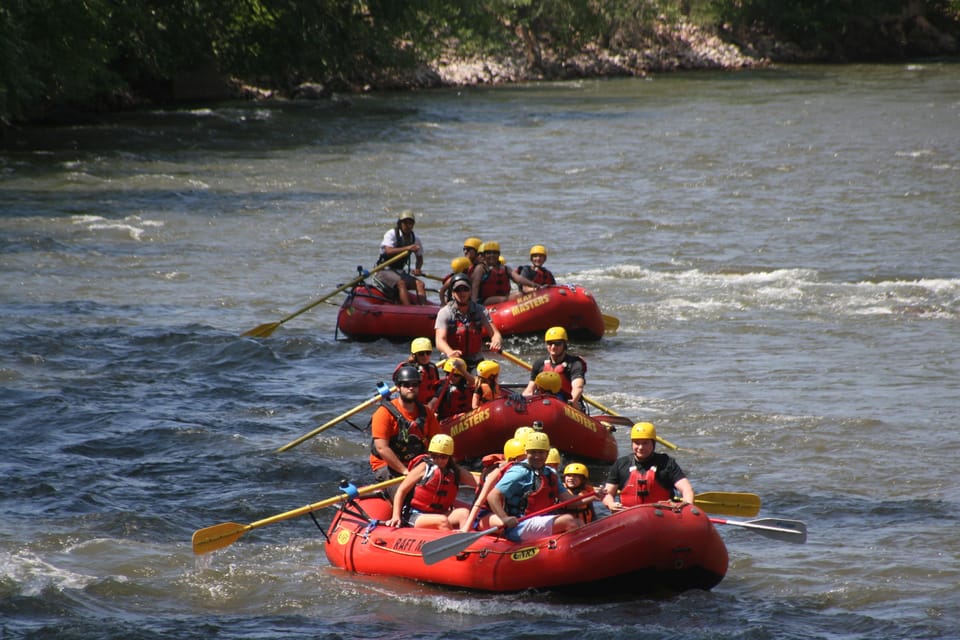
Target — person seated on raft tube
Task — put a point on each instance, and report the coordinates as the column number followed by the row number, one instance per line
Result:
column 486, row 387
column 400, row 428
column 528, row 487
column 572, row 369
column 471, row 251
column 576, row 478
column 535, row 271
column 454, row 394
column 491, row 279
column 645, row 476
column 425, row 499
column 420, row 351
column 457, row 265
column 514, row 450
column 395, row 281
column 461, row 324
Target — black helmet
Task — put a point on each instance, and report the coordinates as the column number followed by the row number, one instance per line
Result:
column 406, row 373
column 457, row 279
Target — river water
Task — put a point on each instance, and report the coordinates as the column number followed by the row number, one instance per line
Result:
column 780, row 247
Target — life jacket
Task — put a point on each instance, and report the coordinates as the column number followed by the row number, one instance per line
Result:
column 491, row 465
column 429, row 379
column 584, row 512
column 409, row 441
column 642, row 488
column 486, row 391
column 544, row 493
column 566, row 384
column 437, row 489
column 495, row 282
column 537, row 275
column 400, row 240
column 453, row 399
column 465, row 330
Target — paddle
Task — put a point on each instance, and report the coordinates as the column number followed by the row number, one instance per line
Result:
column 264, row 330
column 383, row 394
column 526, row 365
column 729, row 503
column 776, row 528
column 448, row 546
column 610, row 323
column 223, row 535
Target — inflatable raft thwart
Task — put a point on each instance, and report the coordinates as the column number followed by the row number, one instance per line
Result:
column 662, row 545
column 574, row 433
column 367, row 314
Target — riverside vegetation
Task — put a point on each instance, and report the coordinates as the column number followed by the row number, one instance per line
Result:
column 61, row 59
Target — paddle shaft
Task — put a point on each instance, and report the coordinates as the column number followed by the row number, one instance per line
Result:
column 343, row 416
column 223, row 535
column 264, row 330
column 529, row 367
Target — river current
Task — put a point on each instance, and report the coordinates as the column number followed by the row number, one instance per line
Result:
column 779, row 245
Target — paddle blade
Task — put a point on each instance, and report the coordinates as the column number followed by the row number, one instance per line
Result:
column 217, row 537
column 262, row 331
column 777, row 528
column 729, row 503
column 610, row 323
column 448, row 546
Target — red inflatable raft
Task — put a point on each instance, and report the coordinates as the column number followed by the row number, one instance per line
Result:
column 367, row 314
column 486, row 428
column 634, row 550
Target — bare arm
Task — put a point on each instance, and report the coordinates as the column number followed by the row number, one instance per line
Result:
column 609, row 492
column 686, row 490
column 402, row 491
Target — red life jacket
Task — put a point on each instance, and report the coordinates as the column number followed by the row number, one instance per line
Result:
column 495, row 282
column 437, row 489
column 537, row 275
column 453, row 399
column 465, row 331
column 566, row 384
column 546, row 490
column 429, row 379
column 642, row 488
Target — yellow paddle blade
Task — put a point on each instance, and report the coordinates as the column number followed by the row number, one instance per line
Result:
column 610, row 323
column 217, row 537
column 729, row 503
column 262, row 331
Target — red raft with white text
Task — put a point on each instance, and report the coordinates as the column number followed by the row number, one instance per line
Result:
column 367, row 314
column 647, row 547
column 576, row 434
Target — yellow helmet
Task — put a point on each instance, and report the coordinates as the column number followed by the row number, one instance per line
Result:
column 490, row 246
column 421, row 344
column 555, row 333
column 643, row 431
column 488, row 369
column 577, row 469
column 513, row 448
column 503, row 260
column 451, row 365
column 459, row 265
column 473, row 243
column 538, row 250
column 537, row 441
column 406, row 215
column 553, row 456
column 442, row 444
column 521, row 433
column 549, row 381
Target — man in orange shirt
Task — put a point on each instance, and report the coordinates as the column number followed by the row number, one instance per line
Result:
column 401, row 428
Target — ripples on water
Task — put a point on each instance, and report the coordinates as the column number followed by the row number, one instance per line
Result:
column 779, row 247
